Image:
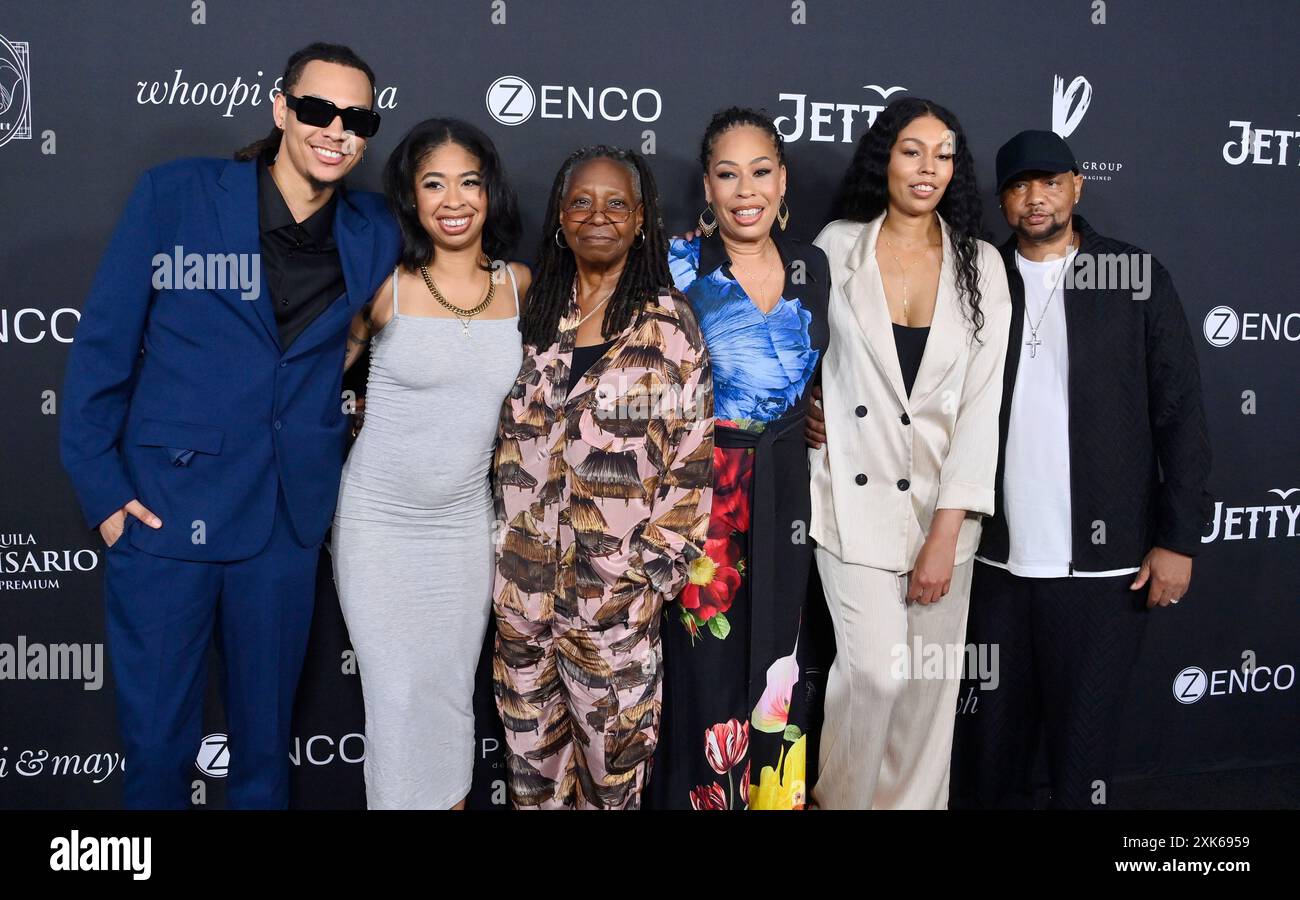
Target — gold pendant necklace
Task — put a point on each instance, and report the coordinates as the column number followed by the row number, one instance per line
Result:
column 465, row 315
column 907, row 285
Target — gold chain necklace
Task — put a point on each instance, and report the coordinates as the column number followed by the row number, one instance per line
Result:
column 465, row 315
column 907, row 285
column 762, row 284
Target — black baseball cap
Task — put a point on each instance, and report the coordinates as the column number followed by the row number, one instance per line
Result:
column 1034, row 151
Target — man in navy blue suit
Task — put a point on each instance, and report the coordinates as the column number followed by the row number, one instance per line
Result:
column 203, row 425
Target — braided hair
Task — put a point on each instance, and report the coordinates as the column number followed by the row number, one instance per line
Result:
column 644, row 274
column 729, row 118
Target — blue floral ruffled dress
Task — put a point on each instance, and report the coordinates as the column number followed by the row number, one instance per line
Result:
column 761, row 363
column 731, row 735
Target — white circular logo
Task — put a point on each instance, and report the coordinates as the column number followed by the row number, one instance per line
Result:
column 1190, row 684
column 15, row 92
column 1221, row 326
column 511, row 100
column 214, row 756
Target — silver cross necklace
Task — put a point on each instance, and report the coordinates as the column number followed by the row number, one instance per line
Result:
column 1034, row 343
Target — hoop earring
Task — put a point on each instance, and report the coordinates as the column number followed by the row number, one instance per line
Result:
column 640, row 232
column 783, row 214
column 707, row 229
column 559, row 242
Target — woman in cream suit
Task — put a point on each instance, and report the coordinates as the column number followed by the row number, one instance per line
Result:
column 912, row 386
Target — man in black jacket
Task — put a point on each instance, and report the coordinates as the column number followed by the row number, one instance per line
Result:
column 1101, row 501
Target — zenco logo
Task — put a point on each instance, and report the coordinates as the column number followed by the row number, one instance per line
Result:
column 15, row 92
column 31, row 325
column 1223, row 325
column 511, row 100
column 1248, row 523
column 322, row 749
column 214, row 756
column 1069, row 106
column 1190, row 684
column 1193, row 682
column 819, row 116
column 318, row 750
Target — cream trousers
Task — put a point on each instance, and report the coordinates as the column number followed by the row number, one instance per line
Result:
column 891, row 696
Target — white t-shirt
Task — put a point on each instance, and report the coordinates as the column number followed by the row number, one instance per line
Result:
column 1036, row 479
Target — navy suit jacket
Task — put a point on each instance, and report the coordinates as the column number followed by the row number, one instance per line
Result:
column 183, row 398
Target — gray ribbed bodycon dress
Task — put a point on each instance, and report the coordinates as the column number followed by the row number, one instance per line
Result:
column 412, row 547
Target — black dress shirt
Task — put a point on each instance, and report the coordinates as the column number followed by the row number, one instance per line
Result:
column 300, row 260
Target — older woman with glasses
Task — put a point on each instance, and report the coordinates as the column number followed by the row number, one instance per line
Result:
column 602, row 477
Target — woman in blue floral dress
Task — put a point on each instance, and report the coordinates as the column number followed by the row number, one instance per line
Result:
column 736, row 678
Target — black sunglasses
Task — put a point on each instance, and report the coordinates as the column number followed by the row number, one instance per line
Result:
column 318, row 113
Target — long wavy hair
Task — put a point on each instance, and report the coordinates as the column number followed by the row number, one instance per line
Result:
column 644, row 275
column 864, row 193
column 330, row 53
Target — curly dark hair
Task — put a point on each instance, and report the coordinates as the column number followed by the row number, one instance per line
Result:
column 500, row 231
column 726, row 119
column 864, row 193
column 330, row 53
column 644, row 275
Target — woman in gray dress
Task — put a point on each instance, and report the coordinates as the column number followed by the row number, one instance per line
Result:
column 412, row 545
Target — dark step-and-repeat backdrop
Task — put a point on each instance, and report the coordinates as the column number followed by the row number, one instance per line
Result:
column 1184, row 115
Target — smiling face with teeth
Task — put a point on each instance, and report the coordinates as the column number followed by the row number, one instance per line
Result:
column 321, row 156
column 450, row 199
column 920, row 165
column 744, row 183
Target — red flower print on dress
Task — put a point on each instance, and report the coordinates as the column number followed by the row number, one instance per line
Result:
column 710, row 797
column 713, row 579
column 733, row 470
column 726, row 744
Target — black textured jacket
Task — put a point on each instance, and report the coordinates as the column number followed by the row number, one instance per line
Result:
column 1139, row 449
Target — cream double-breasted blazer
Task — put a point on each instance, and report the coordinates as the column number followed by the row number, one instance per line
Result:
column 891, row 460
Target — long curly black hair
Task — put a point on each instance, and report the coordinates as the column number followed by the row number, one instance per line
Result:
column 864, row 194
column 644, row 275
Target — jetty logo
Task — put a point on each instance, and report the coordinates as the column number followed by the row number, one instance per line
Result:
column 15, row 92
column 817, row 119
